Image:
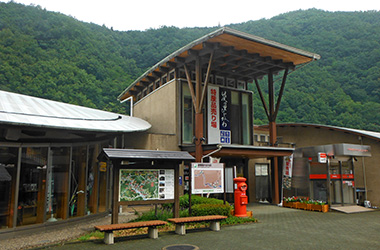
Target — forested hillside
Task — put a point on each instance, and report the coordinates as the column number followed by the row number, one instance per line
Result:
column 54, row 56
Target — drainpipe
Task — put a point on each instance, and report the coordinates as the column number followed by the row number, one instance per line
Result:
column 131, row 106
column 219, row 146
column 364, row 175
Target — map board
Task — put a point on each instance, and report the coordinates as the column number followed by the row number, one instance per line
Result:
column 146, row 184
column 207, row 178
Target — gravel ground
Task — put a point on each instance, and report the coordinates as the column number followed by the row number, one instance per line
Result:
column 62, row 234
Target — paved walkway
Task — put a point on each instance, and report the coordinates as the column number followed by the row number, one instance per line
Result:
column 278, row 228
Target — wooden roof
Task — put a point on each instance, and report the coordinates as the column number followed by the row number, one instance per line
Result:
column 236, row 54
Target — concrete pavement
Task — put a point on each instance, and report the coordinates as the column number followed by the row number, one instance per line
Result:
column 277, row 228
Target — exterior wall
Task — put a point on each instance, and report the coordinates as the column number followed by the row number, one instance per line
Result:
column 311, row 136
column 160, row 109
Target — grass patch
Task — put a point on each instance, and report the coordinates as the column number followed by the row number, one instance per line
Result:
column 92, row 236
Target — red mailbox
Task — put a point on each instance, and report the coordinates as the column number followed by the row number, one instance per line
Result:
column 241, row 199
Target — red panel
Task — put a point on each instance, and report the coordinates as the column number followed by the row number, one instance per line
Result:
column 318, row 176
column 338, row 176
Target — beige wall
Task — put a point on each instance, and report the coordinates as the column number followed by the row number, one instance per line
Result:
column 311, row 136
column 160, row 109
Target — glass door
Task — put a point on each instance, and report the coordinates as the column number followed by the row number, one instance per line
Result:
column 342, row 182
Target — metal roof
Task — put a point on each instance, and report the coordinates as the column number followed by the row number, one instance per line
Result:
column 23, row 110
column 234, row 48
column 369, row 134
column 140, row 154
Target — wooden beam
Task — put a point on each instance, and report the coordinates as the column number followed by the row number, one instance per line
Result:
column 190, row 84
column 262, row 98
column 280, row 94
column 205, row 83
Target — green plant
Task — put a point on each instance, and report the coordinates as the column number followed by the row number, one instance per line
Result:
column 211, row 209
column 95, row 234
column 195, row 199
column 151, row 215
column 233, row 220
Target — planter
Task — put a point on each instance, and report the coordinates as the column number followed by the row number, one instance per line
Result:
column 295, row 204
column 319, row 208
column 302, row 206
column 287, row 204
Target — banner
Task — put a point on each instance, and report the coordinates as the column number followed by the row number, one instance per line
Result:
column 219, row 113
column 287, row 172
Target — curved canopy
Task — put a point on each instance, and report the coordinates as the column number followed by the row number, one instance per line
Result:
column 23, row 110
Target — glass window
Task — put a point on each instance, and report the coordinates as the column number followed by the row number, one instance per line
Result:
column 78, row 182
column 58, row 184
column 32, row 189
column 92, row 177
column 187, row 115
column 8, row 172
column 235, row 118
column 246, row 119
column 102, row 201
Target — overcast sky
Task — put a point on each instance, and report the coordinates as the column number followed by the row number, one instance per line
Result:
column 144, row 14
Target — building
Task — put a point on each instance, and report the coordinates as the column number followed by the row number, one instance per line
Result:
column 198, row 100
column 49, row 172
column 363, row 171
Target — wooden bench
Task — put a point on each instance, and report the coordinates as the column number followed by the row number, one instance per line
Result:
column 180, row 222
column 152, row 229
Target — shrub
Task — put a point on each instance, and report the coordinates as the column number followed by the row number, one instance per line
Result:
column 232, row 220
column 195, row 199
column 211, row 209
column 150, row 215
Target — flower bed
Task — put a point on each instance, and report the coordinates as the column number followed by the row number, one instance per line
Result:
column 305, row 203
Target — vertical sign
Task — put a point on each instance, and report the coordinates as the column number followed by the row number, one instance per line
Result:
column 219, row 112
column 213, row 115
column 287, row 170
column 225, row 110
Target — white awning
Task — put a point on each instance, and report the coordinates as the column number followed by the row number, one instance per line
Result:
column 23, row 110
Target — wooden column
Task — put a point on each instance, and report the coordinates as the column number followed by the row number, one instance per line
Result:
column 272, row 140
column 176, row 191
column 81, row 198
column 199, row 112
column 41, row 196
column 115, row 194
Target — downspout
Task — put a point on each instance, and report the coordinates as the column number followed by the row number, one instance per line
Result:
column 363, row 167
column 131, row 106
column 219, row 146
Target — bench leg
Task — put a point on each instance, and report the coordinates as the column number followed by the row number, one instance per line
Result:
column 215, row 225
column 153, row 232
column 180, row 229
column 108, row 238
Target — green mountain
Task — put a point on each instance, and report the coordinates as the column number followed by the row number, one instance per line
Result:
column 50, row 55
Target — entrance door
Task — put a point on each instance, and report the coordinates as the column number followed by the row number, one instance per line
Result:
column 262, row 182
column 342, row 185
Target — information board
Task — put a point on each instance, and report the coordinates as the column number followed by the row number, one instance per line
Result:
column 147, row 184
column 207, row 178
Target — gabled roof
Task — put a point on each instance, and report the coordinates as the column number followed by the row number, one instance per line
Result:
column 23, row 110
column 237, row 54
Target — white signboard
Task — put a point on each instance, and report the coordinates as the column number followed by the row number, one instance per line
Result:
column 322, row 157
column 207, row 178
